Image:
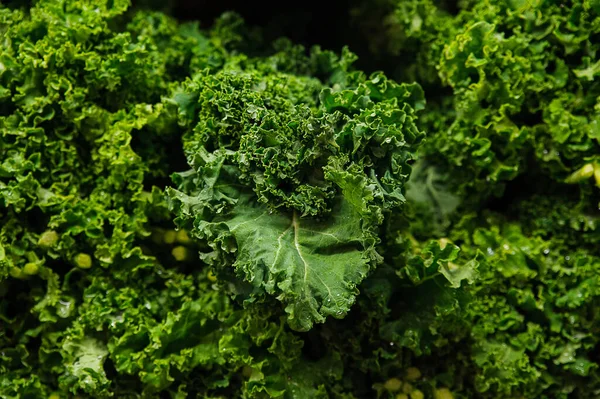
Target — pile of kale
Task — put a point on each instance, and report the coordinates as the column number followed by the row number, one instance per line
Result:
column 207, row 213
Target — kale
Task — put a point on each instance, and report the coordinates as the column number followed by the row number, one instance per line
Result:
column 206, row 212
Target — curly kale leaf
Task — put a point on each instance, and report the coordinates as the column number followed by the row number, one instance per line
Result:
column 292, row 177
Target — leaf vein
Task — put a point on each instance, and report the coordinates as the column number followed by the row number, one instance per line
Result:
column 248, row 221
column 297, row 245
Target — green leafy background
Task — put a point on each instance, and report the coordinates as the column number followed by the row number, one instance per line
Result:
column 334, row 236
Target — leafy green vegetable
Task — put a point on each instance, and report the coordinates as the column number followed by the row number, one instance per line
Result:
column 291, row 178
column 191, row 212
column 514, row 123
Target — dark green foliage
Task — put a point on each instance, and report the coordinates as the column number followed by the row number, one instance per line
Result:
column 191, row 212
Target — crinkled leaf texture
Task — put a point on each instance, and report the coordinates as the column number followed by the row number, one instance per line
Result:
column 310, row 264
column 85, row 365
column 292, row 176
column 313, row 266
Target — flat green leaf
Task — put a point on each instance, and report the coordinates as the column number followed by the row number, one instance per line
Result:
column 312, row 265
